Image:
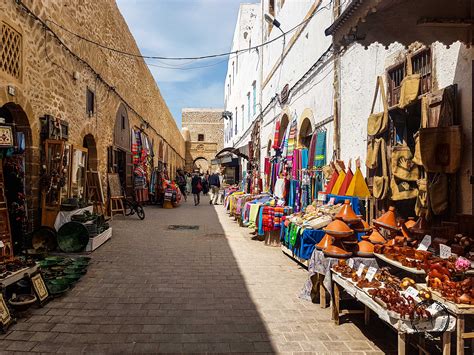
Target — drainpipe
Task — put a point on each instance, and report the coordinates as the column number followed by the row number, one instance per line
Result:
column 336, row 87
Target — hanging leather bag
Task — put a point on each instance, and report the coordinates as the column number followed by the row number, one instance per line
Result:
column 410, row 85
column 402, row 190
column 372, row 153
column 381, row 183
column 440, row 149
column 417, row 156
column 377, row 123
column 403, row 166
column 438, row 193
column 421, row 205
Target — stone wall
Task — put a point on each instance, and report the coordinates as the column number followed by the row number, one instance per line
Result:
column 209, row 123
column 54, row 81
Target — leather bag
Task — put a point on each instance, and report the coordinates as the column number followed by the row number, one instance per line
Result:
column 438, row 193
column 372, row 153
column 440, row 149
column 381, row 183
column 410, row 85
column 417, row 156
column 377, row 123
column 421, row 205
column 403, row 190
column 403, row 166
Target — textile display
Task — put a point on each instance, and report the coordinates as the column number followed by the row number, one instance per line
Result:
column 276, row 137
column 320, row 154
column 312, row 152
column 292, row 137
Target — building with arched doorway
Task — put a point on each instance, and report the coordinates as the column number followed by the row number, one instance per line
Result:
column 203, row 132
column 71, row 110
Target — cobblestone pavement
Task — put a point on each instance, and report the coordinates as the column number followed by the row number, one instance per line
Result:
column 151, row 289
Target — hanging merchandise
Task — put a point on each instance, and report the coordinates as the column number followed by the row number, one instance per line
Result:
column 372, row 153
column 381, row 183
column 440, row 149
column 340, row 179
column 276, row 138
column 347, row 181
column 358, row 187
column 438, row 193
column 312, row 151
column 320, row 154
column 292, row 137
column 402, row 190
column 403, row 166
column 421, row 205
column 334, row 178
column 410, row 85
column 417, row 156
column 284, row 142
column 378, row 122
column 304, row 158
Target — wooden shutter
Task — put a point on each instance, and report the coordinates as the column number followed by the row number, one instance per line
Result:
column 129, row 174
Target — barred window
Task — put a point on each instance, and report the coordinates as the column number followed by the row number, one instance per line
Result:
column 10, row 51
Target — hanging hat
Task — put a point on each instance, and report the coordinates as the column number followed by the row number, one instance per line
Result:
column 388, row 220
column 358, row 187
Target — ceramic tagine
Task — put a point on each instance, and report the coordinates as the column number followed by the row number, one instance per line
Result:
column 377, row 238
column 420, row 228
column 339, row 231
column 325, row 242
column 362, row 226
column 407, row 226
column 388, row 220
column 365, row 247
column 347, row 213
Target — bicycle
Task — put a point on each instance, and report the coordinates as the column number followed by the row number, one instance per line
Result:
column 131, row 207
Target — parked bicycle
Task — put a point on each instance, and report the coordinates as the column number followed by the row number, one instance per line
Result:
column 131, row 207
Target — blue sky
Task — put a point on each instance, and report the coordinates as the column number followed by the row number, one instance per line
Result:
column 184, row 28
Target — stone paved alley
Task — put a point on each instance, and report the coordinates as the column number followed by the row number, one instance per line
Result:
column 151, row 289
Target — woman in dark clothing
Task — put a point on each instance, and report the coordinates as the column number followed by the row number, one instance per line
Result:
column 205, row 184
column 196, row 184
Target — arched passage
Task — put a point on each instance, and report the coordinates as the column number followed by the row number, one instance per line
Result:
column 283, row 126
column 201, row 164
column 92, row 160
column 121, row 159
column 20, row 175
column 304, row 134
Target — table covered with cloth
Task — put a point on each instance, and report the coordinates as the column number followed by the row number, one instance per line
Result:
column 321, row 264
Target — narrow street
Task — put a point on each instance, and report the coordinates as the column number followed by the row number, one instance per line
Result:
column 152, row 289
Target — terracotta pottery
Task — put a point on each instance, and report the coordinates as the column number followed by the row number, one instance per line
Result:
column 338, row 229
column 347, row 213
column 420, row 228
column 362, row 226
column 406, row 227
column 325, row 242
column 388, row 220
column 366, row 248
column 336, row 252
column 397, row 241
column 376, row 237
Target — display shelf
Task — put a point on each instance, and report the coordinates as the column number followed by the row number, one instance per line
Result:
column 288, row 252
column 98, row 240
column 18, row 275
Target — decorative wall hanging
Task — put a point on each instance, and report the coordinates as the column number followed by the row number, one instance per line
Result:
column 6, row 137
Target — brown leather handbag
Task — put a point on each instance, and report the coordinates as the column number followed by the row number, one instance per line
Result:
column 403, row 166
column 377, row 123
column 410, row 85
column 381, row 183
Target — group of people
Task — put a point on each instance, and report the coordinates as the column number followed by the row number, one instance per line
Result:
column 198, row 182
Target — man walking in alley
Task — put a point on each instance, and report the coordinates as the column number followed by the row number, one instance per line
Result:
column 215, row 184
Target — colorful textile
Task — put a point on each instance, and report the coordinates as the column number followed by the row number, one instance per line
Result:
column 346, row 182
column 338, row 184
column 332, row 182
column 268, row 216
column 320, row 155
column 276, row 138
column 304, row 158
column 292, row 137
column 284, row 142
column 312, row 151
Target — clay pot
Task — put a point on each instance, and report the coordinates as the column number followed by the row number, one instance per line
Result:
column 362, row 226
column 376, row 237
column 366, row 248
column 338, row 229
column 336, row 252
column 325, row 242
column 388, row 220
column 420, row 228
column 347, row 214
column 406, row 227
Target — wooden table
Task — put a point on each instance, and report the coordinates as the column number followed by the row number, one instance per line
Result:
column 402, row 327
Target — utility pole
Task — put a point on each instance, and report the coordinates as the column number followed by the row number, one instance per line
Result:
column 336, row 87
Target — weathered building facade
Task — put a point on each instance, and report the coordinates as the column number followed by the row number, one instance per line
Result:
column 203, row 130
column 47, row 70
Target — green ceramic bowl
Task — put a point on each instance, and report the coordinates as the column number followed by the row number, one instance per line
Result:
column 76, row 269
column 55, row 289
column 47, row 263
column 60, row 281
column 57, row 259
column 72, row 277
column 82, row 263
column 84, row 258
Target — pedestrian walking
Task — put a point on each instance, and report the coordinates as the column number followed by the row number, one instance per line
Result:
column 205, row 184
column 181, row 182
column 196, row 187
column 215, row 184
column 188, row 183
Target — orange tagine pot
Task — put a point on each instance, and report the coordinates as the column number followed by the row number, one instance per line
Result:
column 377, row 238
column 338, row 229
column 347, row 214
column 421, row 227
column 336, row 252
column 362, row 226
column 407, row 225
column 388, row 220
column 325, row 242
column 365, row 247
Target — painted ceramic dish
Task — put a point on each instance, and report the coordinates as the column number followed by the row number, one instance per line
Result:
column 73, row 237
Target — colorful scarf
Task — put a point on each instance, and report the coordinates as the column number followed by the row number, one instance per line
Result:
column 320, row 156
column 292, row 137
column 276, row 138
column 312, row 151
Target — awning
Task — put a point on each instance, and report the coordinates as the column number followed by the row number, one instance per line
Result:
column 404, row 21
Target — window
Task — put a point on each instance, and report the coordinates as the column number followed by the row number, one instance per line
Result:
column 254, row 89
column 200, row 137
column 421, row 63
column 123, row 122
column 90, row 102
column 10, row 51
column 236, row 120
column 248, row 106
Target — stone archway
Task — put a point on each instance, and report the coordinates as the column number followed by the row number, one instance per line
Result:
column 202, row 164
column 305, row 129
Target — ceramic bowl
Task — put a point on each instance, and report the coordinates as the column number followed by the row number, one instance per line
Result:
column 22, row 302
column 56, row 290
column 71, row 278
